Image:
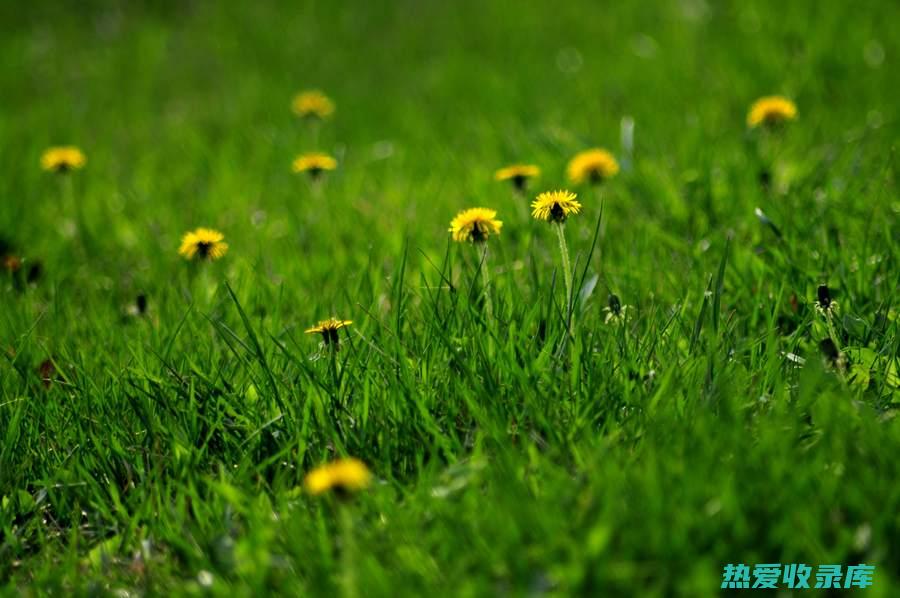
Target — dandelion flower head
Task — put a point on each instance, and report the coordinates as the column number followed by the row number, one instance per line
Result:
column 63, row 159
column 615, row 311
column 555, row 206
column 343, row 476
column 594, row 165
column 315, row 163
column 329, row 329
column 475, row 225
column 312, row 103
column 203, row 243
column 518, row 174
column 771, row 110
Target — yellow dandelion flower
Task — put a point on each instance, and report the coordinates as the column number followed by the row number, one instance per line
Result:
column 475, row 224
column 771, row 110
column 314, row 164
column 555, row 206
column 342, row 476
column 63, row 159
column 594, row 165
column 204, row 243
column 518, row 174
column 313, row 104
column 329, row 330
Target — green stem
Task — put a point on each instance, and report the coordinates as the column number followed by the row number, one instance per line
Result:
column 314, row 125
column 486, row 281
column 832, row 332
column 335, row 380
column 76, row 209
column 566, row 267
column 67, row 194
column 68, row 200
column 315, row 186
column 348, row 552
column 521, row 205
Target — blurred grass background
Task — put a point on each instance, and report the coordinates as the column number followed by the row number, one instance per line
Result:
column 639, row 465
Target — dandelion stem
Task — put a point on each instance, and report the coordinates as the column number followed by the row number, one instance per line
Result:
column 521, row 205
column 314, row 127
column 315, row 187
column 831, row 330
column 67, row 193
column 566, row 267
column 208, row 283
column 335, row 379
column 75, row 208
column 486, row 281
column 348, row 552
column 68, row 199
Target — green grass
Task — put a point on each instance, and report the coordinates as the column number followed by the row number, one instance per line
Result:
column 510, row 458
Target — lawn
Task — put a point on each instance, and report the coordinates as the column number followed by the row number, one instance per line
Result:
column 719, row 387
